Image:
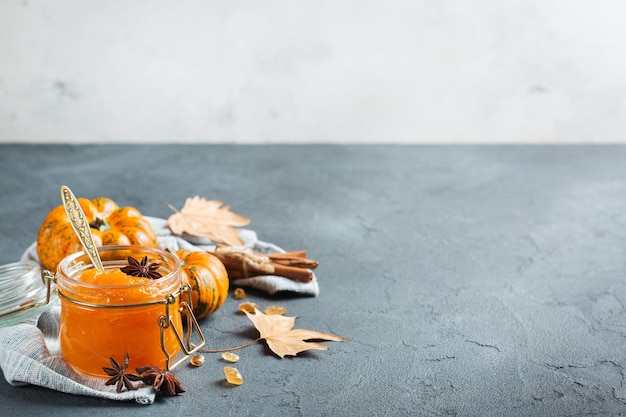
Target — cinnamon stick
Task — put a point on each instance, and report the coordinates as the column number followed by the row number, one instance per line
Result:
column 288, row 255
column 296, row 259
column 292, row 272
column 246, row 263
column 295, row 262
column 238, row 270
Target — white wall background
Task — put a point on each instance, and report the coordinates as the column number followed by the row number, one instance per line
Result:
column 276, row 71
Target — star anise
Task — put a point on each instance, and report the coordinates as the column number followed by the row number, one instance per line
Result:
column 141, row 269
column 162, row 381
column 119, row 376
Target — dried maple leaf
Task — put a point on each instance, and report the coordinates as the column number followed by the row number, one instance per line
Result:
column 283, row 340
column 208, row 218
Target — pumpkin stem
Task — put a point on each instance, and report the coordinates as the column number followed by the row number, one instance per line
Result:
column 99, row 224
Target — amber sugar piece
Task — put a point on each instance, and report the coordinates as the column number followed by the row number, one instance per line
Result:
column 230, row 357
column 239, row 294
column 233, row 376
column 275, row 309
column 197, row 360
column 247, row 307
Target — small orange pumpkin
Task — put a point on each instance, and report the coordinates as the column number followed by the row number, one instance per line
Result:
column 207, row 276
column 110, row 225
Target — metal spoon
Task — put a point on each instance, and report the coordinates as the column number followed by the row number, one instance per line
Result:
column 80, row 225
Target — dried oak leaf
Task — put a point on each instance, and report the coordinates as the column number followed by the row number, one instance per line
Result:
column 208, row 218
column 282, row 339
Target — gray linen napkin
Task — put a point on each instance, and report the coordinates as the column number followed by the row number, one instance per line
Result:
column 30, row 353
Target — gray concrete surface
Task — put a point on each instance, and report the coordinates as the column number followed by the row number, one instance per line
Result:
column 470, row 280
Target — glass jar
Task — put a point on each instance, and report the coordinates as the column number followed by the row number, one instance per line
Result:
column 99, row 322
column 22, row 297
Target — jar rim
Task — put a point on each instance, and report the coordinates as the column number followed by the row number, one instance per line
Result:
column 68, row 265
column 13, row 270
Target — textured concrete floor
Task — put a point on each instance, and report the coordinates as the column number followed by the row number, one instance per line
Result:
column 472, row 280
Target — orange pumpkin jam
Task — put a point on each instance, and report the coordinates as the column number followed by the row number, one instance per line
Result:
column 109, row 314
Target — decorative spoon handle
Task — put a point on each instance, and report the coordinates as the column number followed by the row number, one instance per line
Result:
column 80, row 225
